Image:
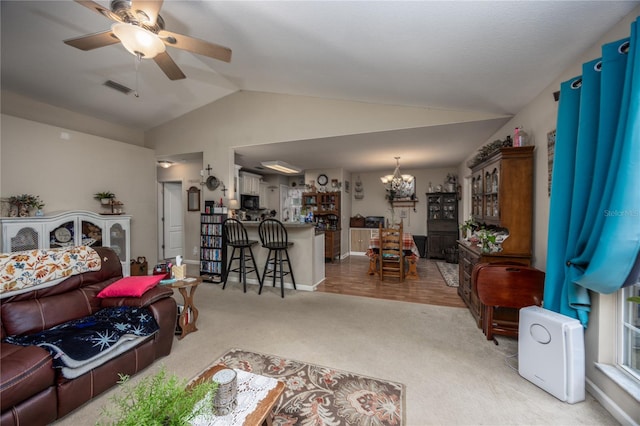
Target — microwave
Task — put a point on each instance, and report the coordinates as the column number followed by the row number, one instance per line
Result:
column 249, row 202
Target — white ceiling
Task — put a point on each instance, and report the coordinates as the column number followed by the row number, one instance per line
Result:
column 488, row 56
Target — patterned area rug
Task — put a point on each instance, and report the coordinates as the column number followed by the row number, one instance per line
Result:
column 449, row 272
column 316, row 395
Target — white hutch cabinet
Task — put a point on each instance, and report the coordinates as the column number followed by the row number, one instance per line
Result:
column 71, row 228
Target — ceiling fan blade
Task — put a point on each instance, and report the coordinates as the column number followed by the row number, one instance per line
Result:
column 169, row 67
column 99, row 9
column 151, row 8
column 93, row 41
column 195, row 45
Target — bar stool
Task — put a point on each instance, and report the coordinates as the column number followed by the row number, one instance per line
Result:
column 236, row 237
column 274, row 237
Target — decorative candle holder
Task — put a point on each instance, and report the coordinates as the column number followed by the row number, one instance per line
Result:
column 226, row 398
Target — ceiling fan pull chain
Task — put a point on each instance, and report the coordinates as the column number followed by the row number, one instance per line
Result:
column 138, row 59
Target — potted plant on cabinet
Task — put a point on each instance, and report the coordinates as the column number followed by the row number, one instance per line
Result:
column 104, row 197
column 21, row 205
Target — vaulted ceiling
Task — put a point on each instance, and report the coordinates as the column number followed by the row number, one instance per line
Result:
column 488, row 56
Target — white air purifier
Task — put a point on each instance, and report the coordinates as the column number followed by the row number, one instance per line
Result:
column 551, row 353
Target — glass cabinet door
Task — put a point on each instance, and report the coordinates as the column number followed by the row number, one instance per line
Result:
column 91, row 234
column 63, row 235
column 118, row 240
column 449, row 207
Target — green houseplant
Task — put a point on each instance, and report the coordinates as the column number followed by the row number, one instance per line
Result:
column 157, row 400
column 104, row 197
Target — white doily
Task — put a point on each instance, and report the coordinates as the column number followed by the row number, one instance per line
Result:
column 252, row 389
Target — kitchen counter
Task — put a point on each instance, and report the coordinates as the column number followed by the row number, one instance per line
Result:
column 307, row 255
column 287, row 225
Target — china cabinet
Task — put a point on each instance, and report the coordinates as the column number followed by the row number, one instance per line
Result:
column 502, row 197
column 442, row 222
column 325, row 207
column 213, row 252
column 66, row 229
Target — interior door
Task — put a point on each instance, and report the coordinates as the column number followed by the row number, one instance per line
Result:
column 173, row 220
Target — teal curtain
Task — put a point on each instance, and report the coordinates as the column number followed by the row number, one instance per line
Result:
column 594, row 217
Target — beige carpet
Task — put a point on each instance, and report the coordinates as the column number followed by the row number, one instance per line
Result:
column 452, row 374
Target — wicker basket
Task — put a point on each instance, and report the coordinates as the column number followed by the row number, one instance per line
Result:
column 357, row 222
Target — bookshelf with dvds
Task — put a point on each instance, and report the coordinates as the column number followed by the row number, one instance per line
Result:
column 213, row 253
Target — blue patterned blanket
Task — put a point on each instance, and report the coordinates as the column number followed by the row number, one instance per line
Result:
column 80, row 345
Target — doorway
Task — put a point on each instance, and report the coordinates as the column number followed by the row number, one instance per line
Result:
column 171, row 236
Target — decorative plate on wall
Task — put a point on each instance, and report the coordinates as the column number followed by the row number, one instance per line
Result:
column 212, row 183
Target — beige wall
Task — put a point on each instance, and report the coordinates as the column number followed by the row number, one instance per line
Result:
column 20, row 106
column 254, row 118
column 374, row 203
column 65, row 168
column 539, row 118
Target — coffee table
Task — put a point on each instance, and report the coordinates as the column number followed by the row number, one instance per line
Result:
column 189, row 315
column 262, row 414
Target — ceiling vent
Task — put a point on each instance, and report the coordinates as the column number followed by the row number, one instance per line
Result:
column 117, row 86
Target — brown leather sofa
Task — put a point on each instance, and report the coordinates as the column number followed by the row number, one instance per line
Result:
column 34, row 393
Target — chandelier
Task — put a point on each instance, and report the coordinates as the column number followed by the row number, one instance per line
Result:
column 397, row 184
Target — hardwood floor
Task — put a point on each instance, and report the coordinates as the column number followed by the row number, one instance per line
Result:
column 350, row 277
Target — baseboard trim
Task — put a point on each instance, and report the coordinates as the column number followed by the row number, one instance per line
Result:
column 609, row 404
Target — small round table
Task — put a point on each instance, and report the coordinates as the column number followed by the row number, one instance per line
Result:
column 189, row 315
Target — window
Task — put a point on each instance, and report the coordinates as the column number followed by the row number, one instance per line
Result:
column 629, row 355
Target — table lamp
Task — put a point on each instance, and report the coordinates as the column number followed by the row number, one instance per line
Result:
column 233, row 206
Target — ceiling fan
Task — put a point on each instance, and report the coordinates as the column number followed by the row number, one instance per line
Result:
column 140, row 28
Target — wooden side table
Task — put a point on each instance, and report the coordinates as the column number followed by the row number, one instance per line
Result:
column 187, row 322
column 262, row 415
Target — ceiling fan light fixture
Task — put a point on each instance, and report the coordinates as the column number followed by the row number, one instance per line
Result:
column 138, row 40
column 282, row 167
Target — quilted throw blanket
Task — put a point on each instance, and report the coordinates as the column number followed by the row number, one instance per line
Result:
column 24, row 271
column 80, row 345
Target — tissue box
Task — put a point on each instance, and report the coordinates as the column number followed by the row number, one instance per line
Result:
column 179, row 272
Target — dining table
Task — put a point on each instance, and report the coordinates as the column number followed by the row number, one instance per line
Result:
column 409, row 247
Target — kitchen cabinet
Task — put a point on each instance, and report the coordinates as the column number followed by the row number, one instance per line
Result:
column 264, row 200
column 442, row 223
column 359, row 240
column 249, row 183
column 501, row 196
column 67, row 229
column 331, row 245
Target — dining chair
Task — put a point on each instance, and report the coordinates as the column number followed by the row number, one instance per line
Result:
column 505, row 285
column 236, row 236
column 274, row 237
column 391, row 255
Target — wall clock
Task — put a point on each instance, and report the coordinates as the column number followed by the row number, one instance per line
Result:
column 323, row 179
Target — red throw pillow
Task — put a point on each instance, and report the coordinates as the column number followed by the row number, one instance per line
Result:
column 134, row 286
